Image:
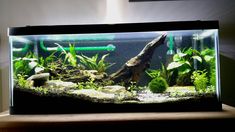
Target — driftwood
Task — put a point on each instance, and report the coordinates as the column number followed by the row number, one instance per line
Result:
column 132, row 69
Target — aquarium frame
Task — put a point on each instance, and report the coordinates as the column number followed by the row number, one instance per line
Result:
column 115, row 28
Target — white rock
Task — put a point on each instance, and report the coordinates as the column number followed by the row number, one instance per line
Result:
column 93, row 94
column 59, row 84
column 113, row 89
column 39, row 70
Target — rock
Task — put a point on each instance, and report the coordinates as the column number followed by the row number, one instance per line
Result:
column 103, row 97
column 113, row 89
column 93, row 95
column 120, row 92
column 39, row 79
column 94, row 74
column 96, row 96
column 60, row 84
column 39, row 70
column 32, row 64
column 42, row 76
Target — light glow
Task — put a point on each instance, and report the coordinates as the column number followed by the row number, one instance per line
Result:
column 113, row 11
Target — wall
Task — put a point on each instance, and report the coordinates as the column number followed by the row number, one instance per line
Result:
column 41, row 12
column 55, row 12
column 227, row 79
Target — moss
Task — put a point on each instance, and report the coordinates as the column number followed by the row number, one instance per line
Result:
column 200, row 80
column 22, row 82
column 158, row 85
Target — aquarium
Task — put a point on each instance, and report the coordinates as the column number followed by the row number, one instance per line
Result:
column 129, row 67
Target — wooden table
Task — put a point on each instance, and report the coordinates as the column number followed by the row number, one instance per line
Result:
column 166, row 120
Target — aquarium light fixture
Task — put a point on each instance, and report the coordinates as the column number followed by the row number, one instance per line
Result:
column 109, row 47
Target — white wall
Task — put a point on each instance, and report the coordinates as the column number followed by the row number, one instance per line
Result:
column 56, row 12
column 41, row 12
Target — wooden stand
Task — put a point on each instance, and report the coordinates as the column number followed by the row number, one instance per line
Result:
column 120, row 121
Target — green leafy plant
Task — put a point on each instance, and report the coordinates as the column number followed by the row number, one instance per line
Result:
column 70, row 56
column 184, row 64
column 183, row 61
column 44, row 62
column 184, row 79
column 158, row 85
column 24, row 65
column 209, row 57
column 92, row 63
column 213, row 77
column 200, row 80
column 22, row 82
column 134, row 87
column 41, row 90
column 163, row 72
column 90, row 84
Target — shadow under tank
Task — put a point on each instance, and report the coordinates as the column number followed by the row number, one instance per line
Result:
column 131, row 67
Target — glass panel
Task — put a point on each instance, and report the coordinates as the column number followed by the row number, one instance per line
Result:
column 131, row 67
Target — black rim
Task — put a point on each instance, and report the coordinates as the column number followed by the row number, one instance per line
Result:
column 113, row 28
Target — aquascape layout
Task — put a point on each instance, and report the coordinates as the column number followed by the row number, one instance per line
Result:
column 121, row 67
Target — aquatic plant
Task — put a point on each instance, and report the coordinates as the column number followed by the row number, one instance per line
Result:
column 70, row 56
column 210, row 89
column 92, row 63
column 80, row 85
column 41, row 90
column 183, row 64
column 24, row 65
column 153, row 73
column 134, row 87
column 163, row 72
column 184, row 79
column 208, row 56
column 200, row 80
column 44, row 62
column 22, row 82
column 183, row 61
column 90, row 84
column 107, row 82
column 213, row 77
column 158, row 85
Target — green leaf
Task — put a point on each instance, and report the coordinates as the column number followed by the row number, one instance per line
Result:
column 174, row 65
column 208, row 52
column 187, row 62
column 153, row 73
column 208, row 58
column 176, row 57
column 182, row 54
column 93, row 63
column 184, row 69
column 197, row 58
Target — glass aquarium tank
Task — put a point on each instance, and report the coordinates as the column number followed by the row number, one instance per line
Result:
column 129, row 67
